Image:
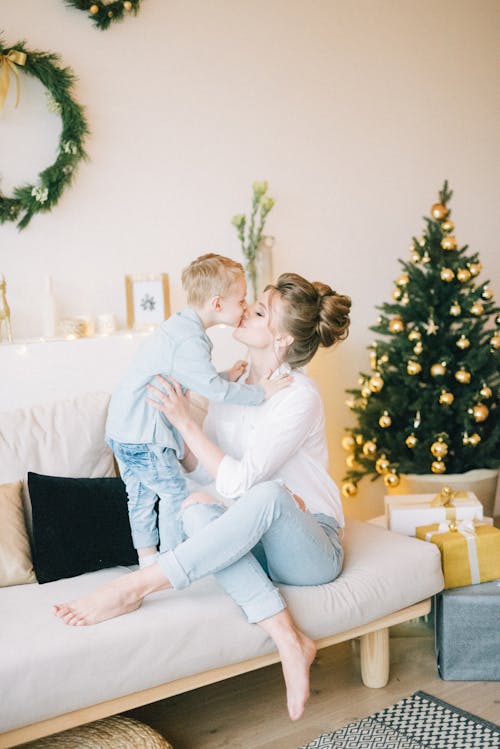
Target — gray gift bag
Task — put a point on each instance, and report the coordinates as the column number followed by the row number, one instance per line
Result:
column 467, row 632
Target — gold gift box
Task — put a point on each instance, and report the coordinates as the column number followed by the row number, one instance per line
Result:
column 470, row 552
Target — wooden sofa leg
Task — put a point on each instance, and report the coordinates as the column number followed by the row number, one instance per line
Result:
column 375, row 658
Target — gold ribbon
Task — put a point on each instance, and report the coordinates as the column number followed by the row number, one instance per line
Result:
column 8, row 63
column 446, row 498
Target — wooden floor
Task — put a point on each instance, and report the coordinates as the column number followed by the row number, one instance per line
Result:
column 248, row 711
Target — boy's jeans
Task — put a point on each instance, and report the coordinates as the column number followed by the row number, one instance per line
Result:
column 264, row 536
column 150, row 473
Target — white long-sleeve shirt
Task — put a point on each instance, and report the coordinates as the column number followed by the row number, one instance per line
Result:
column 281, row 439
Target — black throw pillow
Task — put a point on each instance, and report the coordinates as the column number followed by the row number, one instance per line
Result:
column 79, row 525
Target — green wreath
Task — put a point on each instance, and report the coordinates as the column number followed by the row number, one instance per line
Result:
column 104, row 13
column 42, row 196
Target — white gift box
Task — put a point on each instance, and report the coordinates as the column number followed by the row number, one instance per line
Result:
column 404, row 512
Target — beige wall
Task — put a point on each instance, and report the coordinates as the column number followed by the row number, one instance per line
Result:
column 354, row 111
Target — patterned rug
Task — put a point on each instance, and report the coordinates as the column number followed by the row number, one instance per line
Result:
column 420, row 721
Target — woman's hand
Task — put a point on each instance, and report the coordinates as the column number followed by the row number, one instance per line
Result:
column 170, row 400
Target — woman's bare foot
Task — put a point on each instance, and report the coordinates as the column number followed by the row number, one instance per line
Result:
column 121, row 596
column 297, row 652
column 296, row 659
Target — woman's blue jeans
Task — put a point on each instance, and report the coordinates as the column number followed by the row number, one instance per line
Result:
column 263, row 537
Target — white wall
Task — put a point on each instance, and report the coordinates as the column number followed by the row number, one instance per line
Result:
column 354, row 111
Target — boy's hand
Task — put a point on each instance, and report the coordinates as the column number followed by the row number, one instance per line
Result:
column 237, row 370
column 271, row 387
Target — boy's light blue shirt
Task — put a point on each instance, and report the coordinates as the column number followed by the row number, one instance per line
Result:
column 181, row 349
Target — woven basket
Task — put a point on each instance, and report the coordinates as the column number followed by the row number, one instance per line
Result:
column 110, row 733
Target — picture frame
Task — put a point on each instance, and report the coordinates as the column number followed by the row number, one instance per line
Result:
column 148, row 300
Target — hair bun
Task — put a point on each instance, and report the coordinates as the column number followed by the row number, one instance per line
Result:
column 333, row 314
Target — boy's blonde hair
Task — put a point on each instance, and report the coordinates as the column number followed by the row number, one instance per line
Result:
column 208, row 276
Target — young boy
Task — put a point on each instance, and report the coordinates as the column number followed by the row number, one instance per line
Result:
column 146, row 446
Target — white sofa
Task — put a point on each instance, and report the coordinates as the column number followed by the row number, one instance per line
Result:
column 54, row 677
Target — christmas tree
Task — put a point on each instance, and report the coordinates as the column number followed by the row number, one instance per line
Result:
column 430, row 402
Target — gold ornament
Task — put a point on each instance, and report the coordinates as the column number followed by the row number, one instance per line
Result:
column 463, row 342
column 365, row 391
column 474, row 439
column 411, row 441
column 446, row 398
column 369, row 449
column 391, row 480
column 396, row 325
column 127, row 5
column 475, row 268
column 447, row 225
column 110, row 14
column 430, row 327
column 348, row 442
column 349, row 489
column 418, row 348
column 438, row 369
column 480, row 412
column 463, row 275
column 438, row 466
column 359, row 439
column 439, row 449
column 465, row 438
column 405, row 300
column 495, row 340
column 351, row 461
column 449, row 243
column 383, row 359
column 376, row 383
column 447, row 274
column 5, row 325
column 485, row 391
column 396, row 294
column 487, row 293
column 426, row 258
column 439, row 211
column 455, row 309
column 413, row 367
column 414, row 335
column 415, row 257
column 497, row 319
column 382, row 465
column 462, row 376
column 94, row 9
column 477, row 309
column 385, row 420
column 402, row 280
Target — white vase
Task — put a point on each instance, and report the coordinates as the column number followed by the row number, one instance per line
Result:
column 260, row 271
column 481, row 481
column 49, row 315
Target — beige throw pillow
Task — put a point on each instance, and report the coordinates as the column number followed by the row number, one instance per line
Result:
column 16, row 567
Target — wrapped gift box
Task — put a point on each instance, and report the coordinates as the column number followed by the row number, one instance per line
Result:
column 405, row 512
column 468, row 632
column 470, row 552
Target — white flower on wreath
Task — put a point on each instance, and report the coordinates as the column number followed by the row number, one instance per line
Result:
column 41, row 194
column 52, row 104
column 68, row 146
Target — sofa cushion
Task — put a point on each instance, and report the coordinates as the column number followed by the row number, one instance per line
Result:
column 179, row 633
column 79, row 525
column 16, row 567
column 65, row 438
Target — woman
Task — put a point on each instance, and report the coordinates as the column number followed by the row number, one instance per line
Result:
column 287, row 523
